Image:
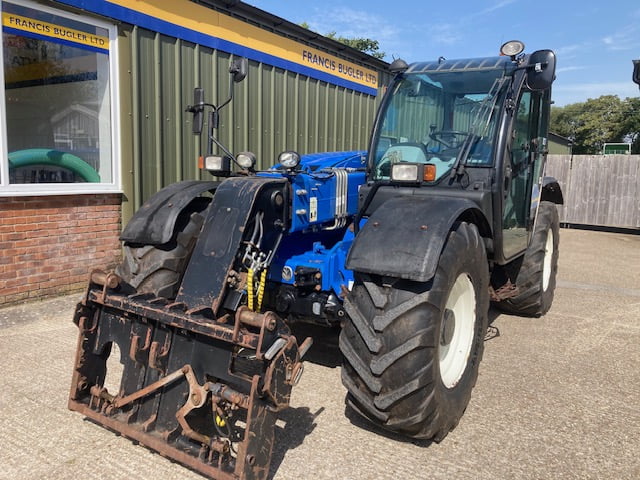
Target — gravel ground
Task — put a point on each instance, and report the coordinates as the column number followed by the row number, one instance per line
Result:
column 557, row 397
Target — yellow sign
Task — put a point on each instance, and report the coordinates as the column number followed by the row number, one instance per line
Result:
column 184, row 14
column 30, row 25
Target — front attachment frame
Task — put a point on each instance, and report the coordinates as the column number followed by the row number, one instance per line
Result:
column 200, row 390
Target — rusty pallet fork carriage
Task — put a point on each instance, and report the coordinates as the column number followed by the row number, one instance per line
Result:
column 203, row 391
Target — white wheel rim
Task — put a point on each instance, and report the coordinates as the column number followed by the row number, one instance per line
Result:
column 454, row 352
column 546, row 264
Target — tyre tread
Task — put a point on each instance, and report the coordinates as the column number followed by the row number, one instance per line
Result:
column 531, row 300
column 158, row 269
column 390, row 369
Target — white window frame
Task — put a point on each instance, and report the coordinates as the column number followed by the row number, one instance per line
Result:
column 32, row 189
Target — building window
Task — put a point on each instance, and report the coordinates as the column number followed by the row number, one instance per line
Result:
column 59, row 129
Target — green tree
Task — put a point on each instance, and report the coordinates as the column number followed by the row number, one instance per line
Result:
column 597, row 121
column 631, row 122
column 366, row 45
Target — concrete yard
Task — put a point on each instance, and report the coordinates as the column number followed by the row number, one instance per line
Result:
column 557, row 397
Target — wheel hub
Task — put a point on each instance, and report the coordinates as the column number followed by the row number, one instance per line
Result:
column 448, row 327
column 457, row 330
column 548, row 256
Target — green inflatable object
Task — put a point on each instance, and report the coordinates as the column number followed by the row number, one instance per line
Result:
column 45, row 156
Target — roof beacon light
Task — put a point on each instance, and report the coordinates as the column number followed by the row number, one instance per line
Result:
column 512, row 48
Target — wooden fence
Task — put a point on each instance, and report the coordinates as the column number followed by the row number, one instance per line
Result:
column 602, row 190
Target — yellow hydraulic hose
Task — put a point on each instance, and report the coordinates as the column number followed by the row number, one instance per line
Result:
column 250, row 289
column 263, row 281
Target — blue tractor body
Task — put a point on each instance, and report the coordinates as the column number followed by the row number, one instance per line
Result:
column 307, row 274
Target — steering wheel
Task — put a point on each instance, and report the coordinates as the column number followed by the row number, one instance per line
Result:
column 438, row 134
column 383, row 168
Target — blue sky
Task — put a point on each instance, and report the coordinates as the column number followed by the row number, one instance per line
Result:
column 594, row 41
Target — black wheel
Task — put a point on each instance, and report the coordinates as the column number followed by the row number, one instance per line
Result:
column 412, row 350
column 158, row 269
column 536, row 278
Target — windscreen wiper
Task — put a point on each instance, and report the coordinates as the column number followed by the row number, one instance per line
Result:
column 479, row 125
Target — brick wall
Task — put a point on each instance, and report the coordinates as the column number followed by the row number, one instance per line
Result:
column 48, row 245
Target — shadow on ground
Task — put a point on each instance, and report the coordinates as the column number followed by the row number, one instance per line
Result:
column 298, row 423
column 325, row 350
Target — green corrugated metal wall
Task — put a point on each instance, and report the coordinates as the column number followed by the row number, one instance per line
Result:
column 273, row 110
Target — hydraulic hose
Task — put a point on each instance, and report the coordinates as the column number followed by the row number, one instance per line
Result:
column 250, row 288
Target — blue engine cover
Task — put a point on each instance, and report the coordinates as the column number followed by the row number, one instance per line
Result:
column 324, row 202
column 325, row 189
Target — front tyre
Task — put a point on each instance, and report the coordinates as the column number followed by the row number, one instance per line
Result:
column 536, row 278
column 158, row 269
column 412, row 350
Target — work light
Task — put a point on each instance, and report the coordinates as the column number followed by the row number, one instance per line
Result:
column 289, row 160
column 246, row 160
column 512, row 48
column 217, row 165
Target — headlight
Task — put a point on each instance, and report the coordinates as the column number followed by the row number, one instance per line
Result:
column 246, row 160
column 406, row 172
column 218, row 166
column 289, row 160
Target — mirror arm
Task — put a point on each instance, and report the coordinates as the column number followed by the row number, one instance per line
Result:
column 228, row 100
column 538, row 66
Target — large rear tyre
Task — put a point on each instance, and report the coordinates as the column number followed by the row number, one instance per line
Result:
column 412, row 350
column 536, row 278
column 158, row 269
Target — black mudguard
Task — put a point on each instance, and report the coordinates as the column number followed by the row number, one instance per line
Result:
column 234, row 206
column 551, row 191
column 154, row 221
column 404, row 237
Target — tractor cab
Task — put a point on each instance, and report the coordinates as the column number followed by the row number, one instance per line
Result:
column 472, row 128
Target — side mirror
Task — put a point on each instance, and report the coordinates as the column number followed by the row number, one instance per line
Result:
column 636, row 71
column 238, row 69
column 541, row 70
column 198, row 110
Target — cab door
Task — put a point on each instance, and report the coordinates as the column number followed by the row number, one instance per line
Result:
column 524, row 161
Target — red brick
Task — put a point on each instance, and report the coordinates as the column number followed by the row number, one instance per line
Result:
column 24, row 227
column 25, row 270
column 38, row 234
column 26, row 257
column 12, row 237
column 59, row 217
column 27, row 242
column 42, row 277
column 8, row 275
column 14, row 252
column 11, row 203
column 20, row 216
column 12, row 299
column 49, row 244
column 14, row 289
column 9, row 267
